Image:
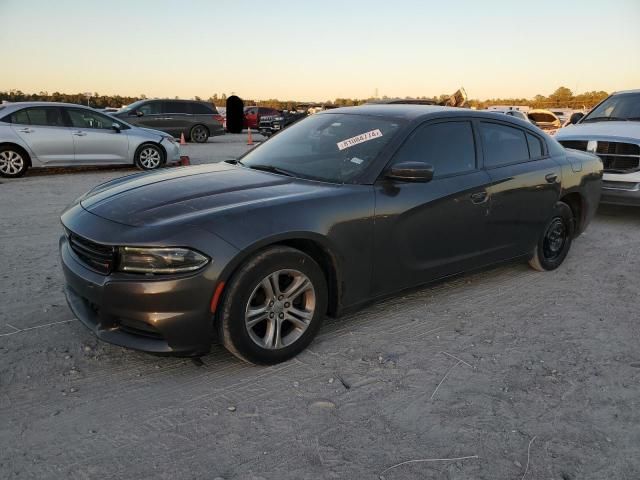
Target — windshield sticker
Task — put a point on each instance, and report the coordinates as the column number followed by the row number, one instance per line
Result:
column 363, row 137
column 357, row 160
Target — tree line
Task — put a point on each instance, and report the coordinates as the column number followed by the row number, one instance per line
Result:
column 561, row 97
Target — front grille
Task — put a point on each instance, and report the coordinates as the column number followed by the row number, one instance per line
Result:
column 575, row 144
column 617, row 157
column 101, row 258
column 617, row 148
column 621, row 185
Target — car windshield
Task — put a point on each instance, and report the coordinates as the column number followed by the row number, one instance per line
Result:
column 133, row 106
column 331, row 147
column 624, row 106
column 542, row 117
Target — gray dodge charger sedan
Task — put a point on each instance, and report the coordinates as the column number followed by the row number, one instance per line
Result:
column 337, row 210
column 45, row 134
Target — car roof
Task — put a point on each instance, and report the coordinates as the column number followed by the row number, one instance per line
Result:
column 42, row 104
column 13, row 106
column 413, row 112
column 626, row 91
column 418, row 113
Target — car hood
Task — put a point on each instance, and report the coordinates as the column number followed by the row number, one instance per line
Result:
column 621, row 130
column 186, row 195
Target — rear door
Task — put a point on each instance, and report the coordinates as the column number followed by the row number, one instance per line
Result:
column 44, row 130
column 526, row 184
column 94, row 139
column 176, row 118
column 425, row 231
column 205, row 114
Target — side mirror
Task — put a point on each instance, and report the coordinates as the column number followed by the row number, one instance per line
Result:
column 410, row 172
column 139, row 113
column 575, row 117
column 117, row 127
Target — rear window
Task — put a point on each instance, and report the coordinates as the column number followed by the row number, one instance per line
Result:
column 20, row 117
column 503, row 145
column 542, row 117
column 38, row 116
column 535, row 146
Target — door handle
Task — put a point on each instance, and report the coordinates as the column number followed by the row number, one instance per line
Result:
column 479, row 197
column 79, row 134
column 551, row 177
column 26, row 130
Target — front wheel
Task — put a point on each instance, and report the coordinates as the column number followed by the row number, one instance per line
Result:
column 554, row 245
column 273, row 307
column 149, row 157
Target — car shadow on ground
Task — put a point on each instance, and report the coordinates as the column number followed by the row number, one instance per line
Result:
column 620, row 213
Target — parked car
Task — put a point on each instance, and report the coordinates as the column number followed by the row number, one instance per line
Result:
column 271, row 124
column 612, row 131
column 196, row 120
column 545, row 120
column 342, row 208
column 44, row 134
column 252, row 115
column 512, row 113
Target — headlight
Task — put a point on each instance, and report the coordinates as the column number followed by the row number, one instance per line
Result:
column 160, row 260
column 170, row 139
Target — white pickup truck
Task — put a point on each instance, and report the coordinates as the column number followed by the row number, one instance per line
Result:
column 611, row 130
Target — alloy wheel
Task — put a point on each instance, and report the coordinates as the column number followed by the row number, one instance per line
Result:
column 280, row 309
column 199, row 134
column 11, row 162
column 150, row 158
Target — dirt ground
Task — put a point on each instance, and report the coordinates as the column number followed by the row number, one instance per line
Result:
column 504, row 374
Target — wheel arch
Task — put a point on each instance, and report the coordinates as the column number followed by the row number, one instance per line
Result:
column 21, row 148
column 199, row 125
column 150, row 142
column 576, row 203
column 312, row 244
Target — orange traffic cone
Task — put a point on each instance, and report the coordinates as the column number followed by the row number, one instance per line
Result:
column 182, row 140
column 185, row 160
column 249, row 139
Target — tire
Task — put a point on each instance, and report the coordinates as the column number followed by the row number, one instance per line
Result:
column 555, row 242
column 14, row 161
column 149, row 157
column 199, row 134
column 252, row 308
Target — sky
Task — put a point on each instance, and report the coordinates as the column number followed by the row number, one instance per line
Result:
column 319, row 50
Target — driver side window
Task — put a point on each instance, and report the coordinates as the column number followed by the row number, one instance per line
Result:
column 449, row 147
column 151, row 108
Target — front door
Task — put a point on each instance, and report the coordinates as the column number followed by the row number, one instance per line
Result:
column 45, row 133
column 426, row 231
column 95, row 141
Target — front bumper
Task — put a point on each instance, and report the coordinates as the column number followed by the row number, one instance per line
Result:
column 166, row 316
column 173, row 150
column 617, row 195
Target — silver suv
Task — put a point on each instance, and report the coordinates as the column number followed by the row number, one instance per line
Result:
column 44, row 134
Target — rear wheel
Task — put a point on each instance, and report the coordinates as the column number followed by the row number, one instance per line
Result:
column 554, row 245
column 14, row 162
column 199, row 134
column 149, row 157
column 273, row 306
